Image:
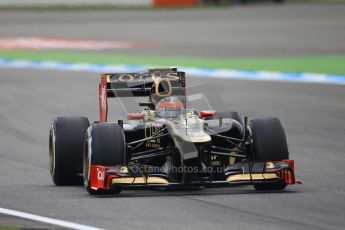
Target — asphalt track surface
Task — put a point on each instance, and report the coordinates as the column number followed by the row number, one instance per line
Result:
column 313, row 115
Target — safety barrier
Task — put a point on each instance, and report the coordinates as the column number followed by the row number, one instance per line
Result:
column 120, row 3
column 174, row 2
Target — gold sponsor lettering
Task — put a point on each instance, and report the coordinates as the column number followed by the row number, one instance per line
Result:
column 172, row 76
column 150, row 130
column 127, row 77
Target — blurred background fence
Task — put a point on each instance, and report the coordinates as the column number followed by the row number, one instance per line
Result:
column 74, row 2
column 137, row 3
column 48, row 3
column 120, row 3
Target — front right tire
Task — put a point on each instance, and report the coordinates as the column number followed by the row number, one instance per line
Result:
column 66, row 141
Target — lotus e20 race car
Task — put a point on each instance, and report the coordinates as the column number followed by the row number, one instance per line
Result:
column 166, row 144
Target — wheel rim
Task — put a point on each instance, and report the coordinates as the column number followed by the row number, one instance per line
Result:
column 87, row 157
column 52, row 151
column 86, row 162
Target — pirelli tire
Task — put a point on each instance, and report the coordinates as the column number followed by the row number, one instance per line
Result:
column 268, row 144
column 105, row 145
column 66, row 142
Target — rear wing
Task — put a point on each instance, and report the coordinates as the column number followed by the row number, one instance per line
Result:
column 155, row 83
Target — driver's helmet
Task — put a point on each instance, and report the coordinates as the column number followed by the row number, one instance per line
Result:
column 169, row 107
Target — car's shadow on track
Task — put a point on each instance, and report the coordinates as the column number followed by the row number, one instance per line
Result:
column 242, row 190
column 155, row 192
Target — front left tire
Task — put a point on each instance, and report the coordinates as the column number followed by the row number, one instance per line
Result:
column 269, row 144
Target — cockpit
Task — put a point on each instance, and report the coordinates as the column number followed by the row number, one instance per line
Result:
column 169, row 107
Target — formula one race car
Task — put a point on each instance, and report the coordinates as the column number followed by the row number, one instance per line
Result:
column 166, row 144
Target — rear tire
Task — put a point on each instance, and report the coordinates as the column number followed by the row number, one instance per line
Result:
column 269, row 144
column 66, row 141
column 104, row 145
column 230, row 114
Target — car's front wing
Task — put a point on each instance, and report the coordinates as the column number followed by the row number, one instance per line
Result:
column 113, row 177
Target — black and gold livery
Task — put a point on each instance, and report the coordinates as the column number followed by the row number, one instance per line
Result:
column 167, row 144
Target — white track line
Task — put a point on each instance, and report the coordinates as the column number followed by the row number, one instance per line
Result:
column 46, row 220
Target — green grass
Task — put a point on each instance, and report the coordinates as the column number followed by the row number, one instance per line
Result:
column 313, row 64
column 8, row 228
